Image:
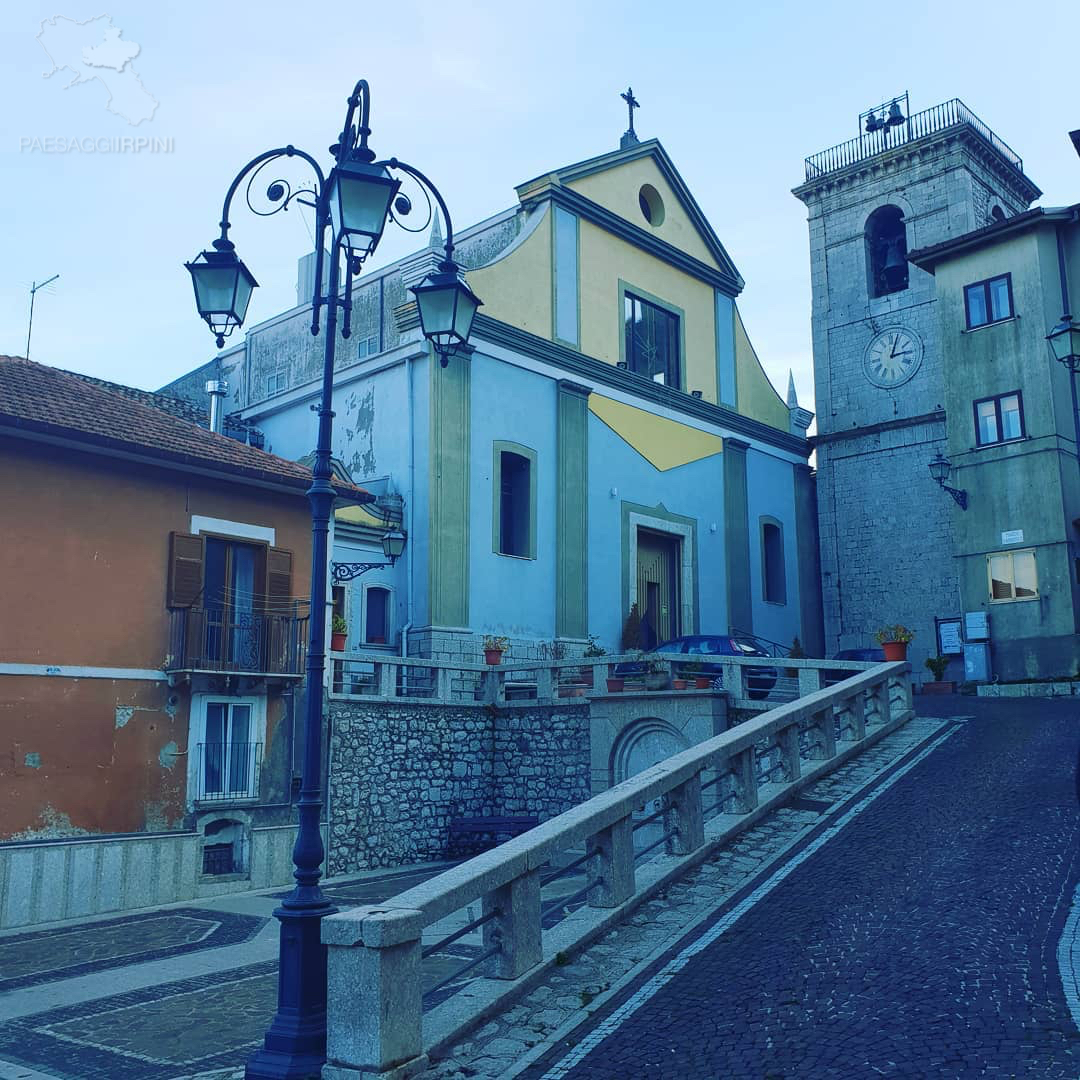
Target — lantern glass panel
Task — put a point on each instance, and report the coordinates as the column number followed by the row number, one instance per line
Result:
column 215, row 287
column 437, row 307
column 359, row 204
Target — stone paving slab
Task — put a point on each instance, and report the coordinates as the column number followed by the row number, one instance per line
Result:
column 29, row 959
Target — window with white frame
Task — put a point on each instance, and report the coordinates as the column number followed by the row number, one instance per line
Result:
column 1012, row 575
column 276, row 383
column 226, row 748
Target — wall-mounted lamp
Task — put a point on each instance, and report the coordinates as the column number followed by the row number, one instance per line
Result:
column 939, row 470
column 393, row 545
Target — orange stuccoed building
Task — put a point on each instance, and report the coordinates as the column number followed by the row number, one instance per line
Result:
column 153, row 621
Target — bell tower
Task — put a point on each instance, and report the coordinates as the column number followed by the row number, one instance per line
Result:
column 905, row 181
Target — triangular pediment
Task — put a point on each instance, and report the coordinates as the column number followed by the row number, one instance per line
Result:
column 615, row 182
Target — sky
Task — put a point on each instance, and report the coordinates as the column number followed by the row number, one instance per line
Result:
column 481, row 97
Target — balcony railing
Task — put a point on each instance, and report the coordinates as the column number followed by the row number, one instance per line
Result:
column 228, row 771
column 927, row 122
column 218, row 639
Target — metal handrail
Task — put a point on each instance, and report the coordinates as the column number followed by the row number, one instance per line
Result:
column 928, row 122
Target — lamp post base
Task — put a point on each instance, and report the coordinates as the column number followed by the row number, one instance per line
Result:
column 294, row 1047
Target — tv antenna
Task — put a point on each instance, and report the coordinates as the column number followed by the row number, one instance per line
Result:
column 34, row 286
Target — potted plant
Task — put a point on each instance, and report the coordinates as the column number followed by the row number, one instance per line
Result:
column 894, row 641
column 656, row 672
column 697, row 669
column 679, row 684
column 797, row 652
column 494, row 647
column 339, row 631
column 631, row 635
column 936, row 665
column 593, row 649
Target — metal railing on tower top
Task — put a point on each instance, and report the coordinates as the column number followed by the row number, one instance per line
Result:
column 928, row 122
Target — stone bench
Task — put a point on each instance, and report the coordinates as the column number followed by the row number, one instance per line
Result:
column 506, row 826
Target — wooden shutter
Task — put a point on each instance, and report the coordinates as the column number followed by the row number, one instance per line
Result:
column 185, row 569
column 278, row 581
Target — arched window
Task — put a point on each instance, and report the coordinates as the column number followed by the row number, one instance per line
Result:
column 886, row 251
column 773, row 577
column 996, row 214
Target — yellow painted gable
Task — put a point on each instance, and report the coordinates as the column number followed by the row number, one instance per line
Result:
column 616, row 189
column 756, row 395
column 516, row 286
column 664, row 443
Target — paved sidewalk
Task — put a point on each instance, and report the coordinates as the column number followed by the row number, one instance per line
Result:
column 178, row 992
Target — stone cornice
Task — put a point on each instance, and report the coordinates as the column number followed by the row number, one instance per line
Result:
column 937, row 416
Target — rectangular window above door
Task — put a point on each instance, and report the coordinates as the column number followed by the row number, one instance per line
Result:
column 651, row 341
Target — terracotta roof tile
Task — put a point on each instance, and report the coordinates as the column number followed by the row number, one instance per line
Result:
column 35, row 397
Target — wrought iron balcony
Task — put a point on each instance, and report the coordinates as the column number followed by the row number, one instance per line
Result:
column 227, row 772
column 928, row 122
column 224, row 640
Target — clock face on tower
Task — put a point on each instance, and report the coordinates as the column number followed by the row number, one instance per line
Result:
column 892, row 357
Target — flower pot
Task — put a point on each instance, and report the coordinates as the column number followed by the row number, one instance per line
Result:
column 493, row 656
column 678, row 684
column 894, row 650
column 702, row 682
column 938, row 687
column 337, row 642
column 615, row 686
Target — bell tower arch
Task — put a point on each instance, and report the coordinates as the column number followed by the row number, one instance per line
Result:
column 886, row 529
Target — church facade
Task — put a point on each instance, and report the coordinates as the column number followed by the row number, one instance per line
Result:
column 609, row 439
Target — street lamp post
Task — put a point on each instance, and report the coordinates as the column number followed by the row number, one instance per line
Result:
column 353, row 205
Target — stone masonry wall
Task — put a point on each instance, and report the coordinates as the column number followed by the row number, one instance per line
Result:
column 400, row 772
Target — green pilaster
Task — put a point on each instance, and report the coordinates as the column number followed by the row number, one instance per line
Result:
column 572, row 511
column 737, row 536
column 448, row 551
column 811, row 615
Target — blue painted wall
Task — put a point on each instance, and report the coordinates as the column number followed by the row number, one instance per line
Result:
column 695, row 491
column 508, row 595
column 771, row 493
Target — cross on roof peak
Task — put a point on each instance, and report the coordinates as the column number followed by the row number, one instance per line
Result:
column 629, row 136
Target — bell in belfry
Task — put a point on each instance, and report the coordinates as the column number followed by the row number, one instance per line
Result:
column 896, row 116
column 895, row 269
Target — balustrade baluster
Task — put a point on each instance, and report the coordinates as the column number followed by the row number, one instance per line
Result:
column 516, row 927
column 613, row 864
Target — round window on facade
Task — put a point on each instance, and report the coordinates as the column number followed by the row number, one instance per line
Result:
column 652, row 206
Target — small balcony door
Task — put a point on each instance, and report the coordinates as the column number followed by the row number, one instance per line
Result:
column 234, row 576
column 229, row 755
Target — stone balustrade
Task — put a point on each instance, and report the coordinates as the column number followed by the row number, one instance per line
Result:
column 706, row 795
column 384, row 677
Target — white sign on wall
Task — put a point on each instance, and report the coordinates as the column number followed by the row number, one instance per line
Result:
column 1013, row 536
column 976, row 626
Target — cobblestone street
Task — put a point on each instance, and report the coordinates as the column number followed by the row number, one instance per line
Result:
column 903, row 918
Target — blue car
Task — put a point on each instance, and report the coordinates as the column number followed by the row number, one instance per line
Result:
column 696, row 647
